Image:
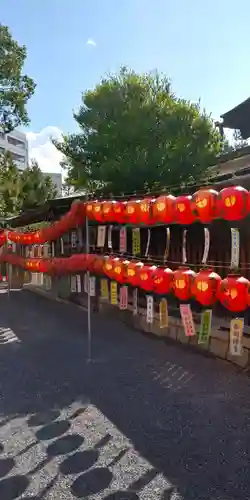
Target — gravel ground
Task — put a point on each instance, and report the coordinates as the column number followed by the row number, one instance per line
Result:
column 146, row 420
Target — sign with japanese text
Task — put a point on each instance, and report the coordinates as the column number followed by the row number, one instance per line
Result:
column 86, row 283
column 101, row 236
column 123, row 240
column 110, row 228
column 73, row 285
column 150, row 309
column 92, row 286
column 62, row 245
column 73, row 239
column 135, row 302
column 187, row 320
column 236, row 333
column 78, row 283
column 123, row 297
column 113, row 293
column 206, row 245
column 205, row 327
column 53, row 249
column 104, row 289
column 235, row 248
column 136, row 241
column 163, row 310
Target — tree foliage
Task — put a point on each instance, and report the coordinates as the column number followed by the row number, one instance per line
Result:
column 136, row 134
column 15, row 88
column 21, row 190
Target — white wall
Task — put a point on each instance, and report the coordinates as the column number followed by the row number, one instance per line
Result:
column 56, row 179
column 16, row 143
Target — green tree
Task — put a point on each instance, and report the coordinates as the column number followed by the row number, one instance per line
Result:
column 35, row 187
column 238, row 141
column 9, row 186
column 21, row 190
column 15, row 87
column 136, row 134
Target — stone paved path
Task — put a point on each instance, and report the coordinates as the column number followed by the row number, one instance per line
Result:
column 146, row 420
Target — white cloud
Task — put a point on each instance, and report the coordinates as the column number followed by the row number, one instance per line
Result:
column 91, row 42
column 42, row 150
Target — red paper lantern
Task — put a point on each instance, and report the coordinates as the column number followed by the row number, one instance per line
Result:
column 119, row 211
column 146, row 278
column 89, row 210
column 120, row 270
column 163, row 209
column 117, row 270
column 131, row 211
column 36, row 237
column 233, row 293
column 233, row 203
column 162, row 280
column 108, row 266
column 107, row 211
column 78, row 212
column 182, row 210
column 145, row 211
column 204, row 205
column 43, row 267
column 97, row 211
column 98, row 264
column 183, row 279
column 125, row 264
column 206, row 287
column 133, row 269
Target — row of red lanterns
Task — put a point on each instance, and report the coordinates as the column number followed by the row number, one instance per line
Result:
column 206, row 287
column 231, row 203
column 73, row 218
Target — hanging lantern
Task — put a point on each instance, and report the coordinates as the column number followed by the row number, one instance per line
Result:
column 119, row 211
column 132, row 272
column 204, row 205
column 107, row 211
column 43, row 266
column 182, row 210
column 163, row 209
column 97, row 211
column 30, row 239
column 124, row 277
column 183, row 279
column 145, row 211
column 233, row 203
column 117, row 270
column 146, row 278
column 131, row 211
column 108, row 266
column 206, row 286
column 233, row 293
column 89, row 210
column 163, row 279
column 35, row 237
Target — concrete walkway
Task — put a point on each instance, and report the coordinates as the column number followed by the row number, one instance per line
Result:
column 145, row 420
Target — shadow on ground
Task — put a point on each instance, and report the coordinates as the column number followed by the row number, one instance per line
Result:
column 186, row 414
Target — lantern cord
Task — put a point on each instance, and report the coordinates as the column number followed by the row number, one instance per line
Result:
column 161, row 190
column 158, row 260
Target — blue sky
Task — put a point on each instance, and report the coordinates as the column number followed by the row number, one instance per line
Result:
column 202, row 46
